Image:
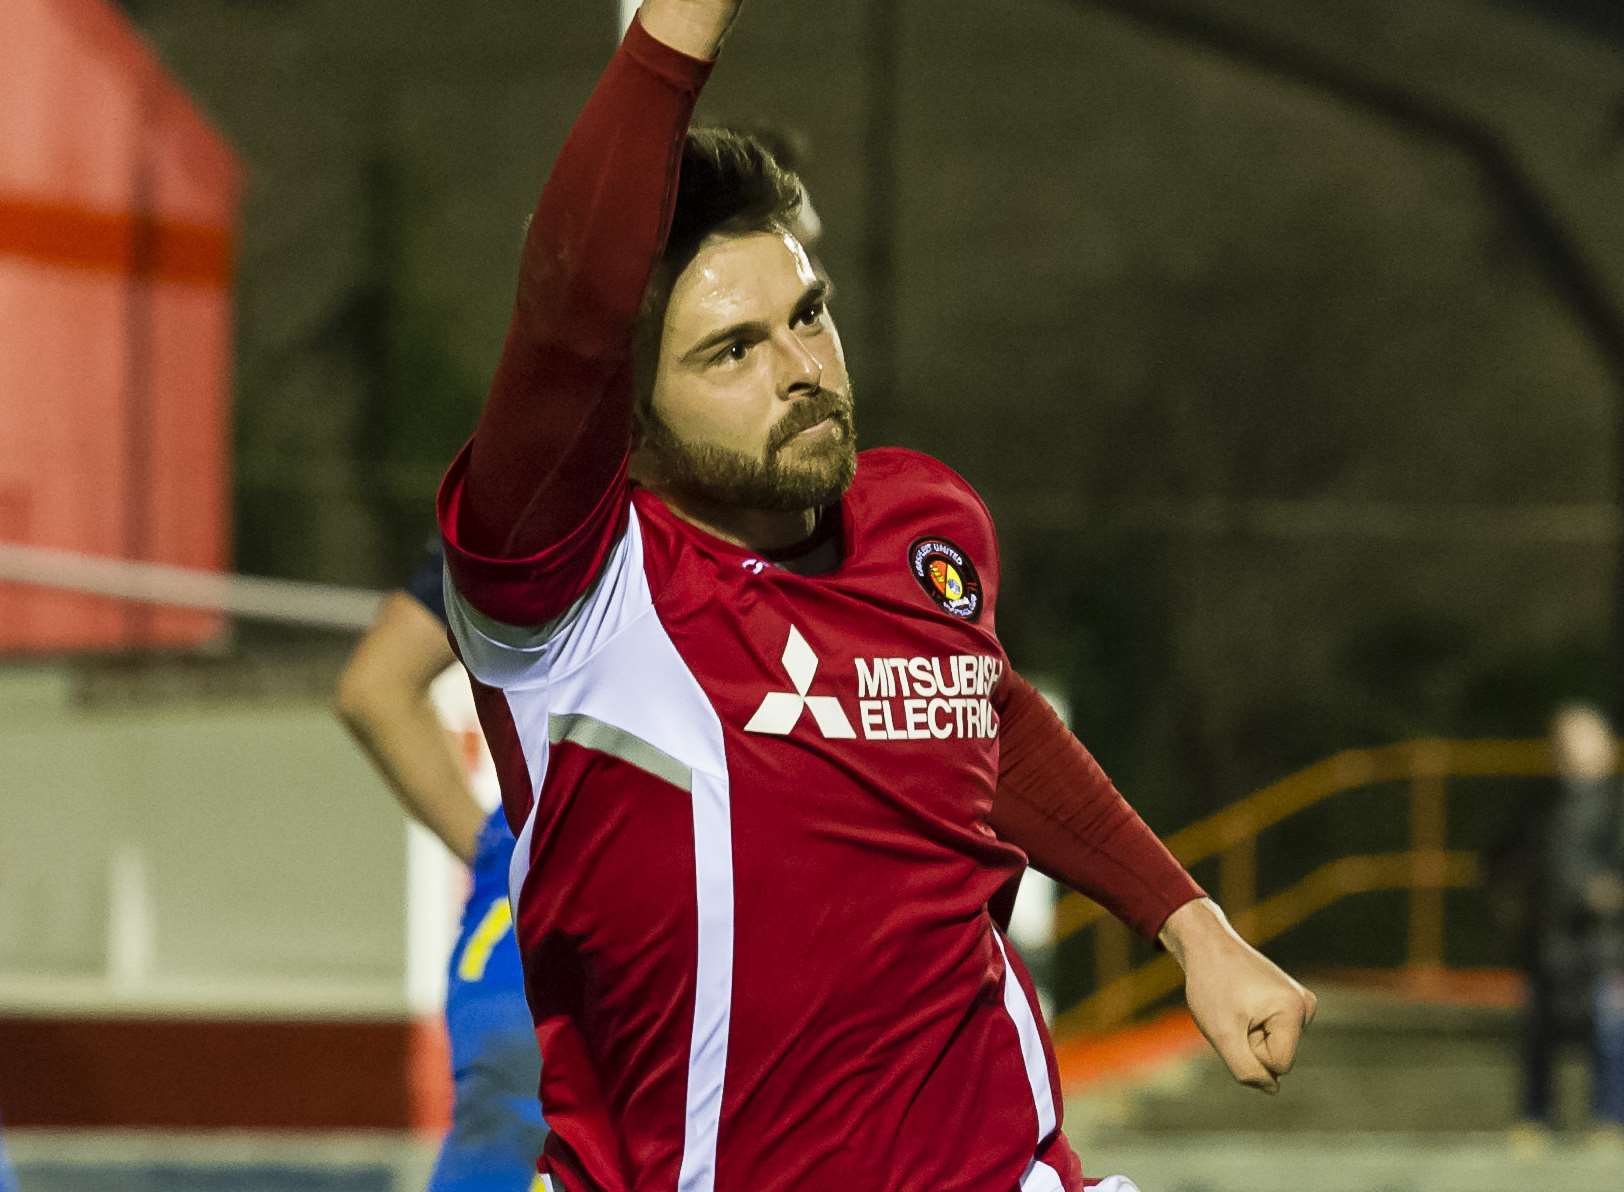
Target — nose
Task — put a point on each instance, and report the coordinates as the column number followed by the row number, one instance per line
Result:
column 800, row 371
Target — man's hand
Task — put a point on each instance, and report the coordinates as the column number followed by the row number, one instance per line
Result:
column 1251, row 1012
column 693, row 27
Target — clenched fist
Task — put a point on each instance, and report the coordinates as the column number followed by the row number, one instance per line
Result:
column 1251, row 1012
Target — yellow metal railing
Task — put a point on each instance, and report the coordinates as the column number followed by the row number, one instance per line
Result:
column 1426, row 870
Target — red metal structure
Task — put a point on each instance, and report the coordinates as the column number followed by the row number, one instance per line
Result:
column 117, row 207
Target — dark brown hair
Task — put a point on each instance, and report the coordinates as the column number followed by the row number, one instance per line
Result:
column 730, row 184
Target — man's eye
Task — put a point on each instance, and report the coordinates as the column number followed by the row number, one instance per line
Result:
column 735, row 351
column 810, row 314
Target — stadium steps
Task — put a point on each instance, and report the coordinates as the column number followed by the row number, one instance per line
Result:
column 1373, row 1062
column 1389, row 1094
column 1339, row 1162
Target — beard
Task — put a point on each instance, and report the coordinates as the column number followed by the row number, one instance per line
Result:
column 788, row 477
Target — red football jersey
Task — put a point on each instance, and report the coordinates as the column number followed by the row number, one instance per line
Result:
column 754, row 855
column 754, row 863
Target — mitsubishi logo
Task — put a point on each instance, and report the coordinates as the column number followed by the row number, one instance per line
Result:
column 781, row 710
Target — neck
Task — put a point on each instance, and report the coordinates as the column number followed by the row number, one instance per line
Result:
column 755, row 529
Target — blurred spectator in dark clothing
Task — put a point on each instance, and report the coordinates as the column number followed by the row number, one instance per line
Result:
column 1574, row 933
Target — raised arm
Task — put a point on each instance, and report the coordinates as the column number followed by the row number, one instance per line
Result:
column 545, row 469
column 696, row 28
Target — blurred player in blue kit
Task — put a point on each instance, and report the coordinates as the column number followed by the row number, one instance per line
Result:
column 399, row 696
column 8, row 1181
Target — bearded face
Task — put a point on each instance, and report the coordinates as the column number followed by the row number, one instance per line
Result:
column 751, row 405
column 809, row 460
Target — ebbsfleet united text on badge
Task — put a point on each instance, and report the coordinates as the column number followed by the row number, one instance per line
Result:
column 947, row 576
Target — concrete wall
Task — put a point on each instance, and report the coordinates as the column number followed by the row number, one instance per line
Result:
column 225, row 855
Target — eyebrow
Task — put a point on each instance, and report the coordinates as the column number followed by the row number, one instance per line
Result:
column 755, row 329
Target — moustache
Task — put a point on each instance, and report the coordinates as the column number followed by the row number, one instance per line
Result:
column 808, row 412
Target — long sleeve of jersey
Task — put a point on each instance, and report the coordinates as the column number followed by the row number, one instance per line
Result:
column 533, row 503
column 1056, row 803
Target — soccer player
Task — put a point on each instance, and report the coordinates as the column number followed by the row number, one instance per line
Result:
column 751, row 716
column 385, row 698
column 393, row 694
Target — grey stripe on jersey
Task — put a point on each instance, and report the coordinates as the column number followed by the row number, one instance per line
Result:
column 592, row 733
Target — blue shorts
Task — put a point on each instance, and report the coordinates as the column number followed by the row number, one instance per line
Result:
column 496, row 1124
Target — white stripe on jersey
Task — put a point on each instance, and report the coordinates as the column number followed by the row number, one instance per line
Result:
column 713, row 982
column 610, row 661
column 1039, row 1177
column 519, row 862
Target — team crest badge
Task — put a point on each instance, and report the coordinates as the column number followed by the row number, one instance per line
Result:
column 947, row 576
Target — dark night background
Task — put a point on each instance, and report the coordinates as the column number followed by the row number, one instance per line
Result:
column 1285, row 339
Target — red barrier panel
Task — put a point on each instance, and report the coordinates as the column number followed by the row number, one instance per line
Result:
column 100, row 1072
column 117, row 208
